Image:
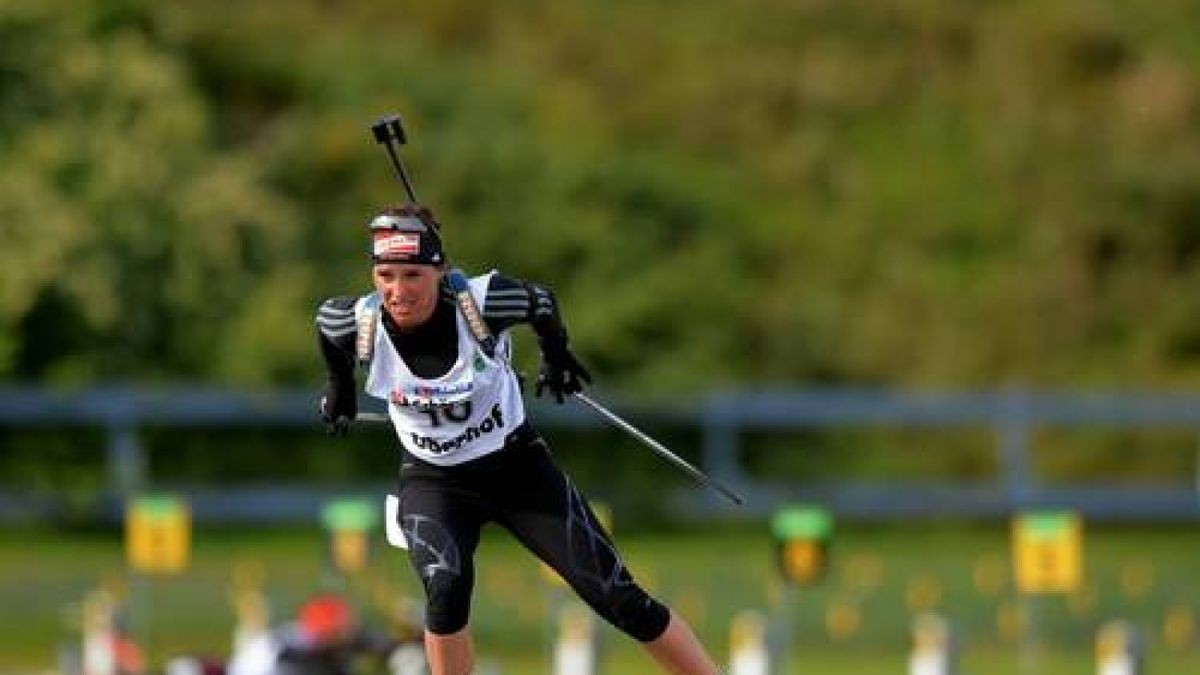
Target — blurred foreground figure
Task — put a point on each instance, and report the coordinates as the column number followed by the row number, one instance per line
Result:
column 325, row 639
column 468, row 455
column 108, row 647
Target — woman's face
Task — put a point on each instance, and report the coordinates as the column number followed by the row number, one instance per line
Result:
column 409, row 292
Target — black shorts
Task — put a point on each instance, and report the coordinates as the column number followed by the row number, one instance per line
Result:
column 442, row 510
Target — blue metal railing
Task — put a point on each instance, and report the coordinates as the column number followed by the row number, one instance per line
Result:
column 722, row 419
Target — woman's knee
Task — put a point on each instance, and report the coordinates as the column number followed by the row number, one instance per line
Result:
column 632, row 611
column 447, row 604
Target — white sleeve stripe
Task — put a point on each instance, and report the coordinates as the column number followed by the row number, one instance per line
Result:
column 505, row 314
column 335, row 314
column 509, row 304
column 507, row 292
column 337, row 327
column 338, row 333
column 335, row 324
column 335, row 319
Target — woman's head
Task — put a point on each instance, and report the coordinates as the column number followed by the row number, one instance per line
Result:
column 406, row 233
column 408, row 263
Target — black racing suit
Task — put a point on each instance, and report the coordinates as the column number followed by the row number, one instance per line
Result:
column 443, row 508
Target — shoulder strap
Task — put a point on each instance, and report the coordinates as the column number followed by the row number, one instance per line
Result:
column 367, row 310
column 470, row 311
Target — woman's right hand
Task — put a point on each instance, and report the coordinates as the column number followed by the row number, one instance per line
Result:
column 338, row 407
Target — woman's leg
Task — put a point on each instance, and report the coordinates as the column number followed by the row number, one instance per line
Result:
column 442, row 528
column 451, row 654
column 678, row 651
column 550, row 517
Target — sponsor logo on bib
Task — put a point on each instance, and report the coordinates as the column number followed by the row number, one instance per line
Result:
column 425, row 395
column 490, row 424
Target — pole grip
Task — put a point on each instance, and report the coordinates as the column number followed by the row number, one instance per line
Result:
column 389, row 128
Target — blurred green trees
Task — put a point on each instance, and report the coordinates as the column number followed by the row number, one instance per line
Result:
column 928, row 193
column 135, row 246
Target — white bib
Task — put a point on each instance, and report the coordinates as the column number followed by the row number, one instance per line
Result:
column 464, row 414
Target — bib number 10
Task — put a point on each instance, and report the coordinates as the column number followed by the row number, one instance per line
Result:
column 453, row 412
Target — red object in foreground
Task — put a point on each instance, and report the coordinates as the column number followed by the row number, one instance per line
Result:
column 326, row 618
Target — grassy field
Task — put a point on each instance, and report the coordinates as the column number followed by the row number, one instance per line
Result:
column 857, row 621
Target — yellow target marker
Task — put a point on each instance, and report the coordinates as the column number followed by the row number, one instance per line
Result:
column 1048, row 552
column 1137, row 579
column 863, row 572
column 803, row 561
column 348, row 521
column 802, row 535
column 989, row 575
column 158, row 533
column 843, row 620
column 1179, row 627
column 923, row 594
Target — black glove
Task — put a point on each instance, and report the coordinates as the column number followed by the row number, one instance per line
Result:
column 561, row 372
column 338, row 407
